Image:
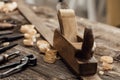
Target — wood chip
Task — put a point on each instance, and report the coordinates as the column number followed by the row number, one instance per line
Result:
column 43, row 45
column 50, row 56
column 107, row 66
column 101, row 72
column 28, row 42
column 106, row 59
column 26, row 28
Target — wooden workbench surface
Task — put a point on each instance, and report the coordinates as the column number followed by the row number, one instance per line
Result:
column 106, row 38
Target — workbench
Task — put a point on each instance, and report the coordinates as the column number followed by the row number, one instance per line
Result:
column 106, row 38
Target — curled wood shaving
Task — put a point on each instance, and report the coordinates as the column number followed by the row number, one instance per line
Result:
column 43, row 45
column 107, row 59
column 8, row 7
column 107, row 66
column 28, row 42
column 50, row 56
column 30, row 34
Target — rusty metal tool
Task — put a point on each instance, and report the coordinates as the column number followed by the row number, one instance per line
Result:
column 6, row 57
column 9, row 38
column 3, row 49
column 29, row 60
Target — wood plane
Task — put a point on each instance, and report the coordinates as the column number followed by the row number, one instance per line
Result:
column 77, row 54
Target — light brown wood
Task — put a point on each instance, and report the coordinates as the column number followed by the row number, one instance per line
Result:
column 68, row 24
column 113, row 12
column 77, row 45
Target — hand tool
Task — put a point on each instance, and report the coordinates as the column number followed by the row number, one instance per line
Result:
column 67, row 49
column 9, row 38
column 86, row 51
column 77, row 54
column 29, row 60
column 6, row 57
column 3, row 49
column 5, row 32
column 4, row 26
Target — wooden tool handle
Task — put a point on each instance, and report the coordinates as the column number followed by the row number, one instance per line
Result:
column 2, row 59
column 68, row 24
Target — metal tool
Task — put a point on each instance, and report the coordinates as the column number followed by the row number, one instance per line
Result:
column 29, row 60
column 9, row 38
column 5, row 32
column 3, row 49
column 6, row 57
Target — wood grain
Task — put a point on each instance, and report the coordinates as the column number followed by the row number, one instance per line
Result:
column 106, row 38
column 68, row 24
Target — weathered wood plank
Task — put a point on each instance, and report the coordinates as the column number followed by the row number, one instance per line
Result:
column 35, row 20
column 107, row 40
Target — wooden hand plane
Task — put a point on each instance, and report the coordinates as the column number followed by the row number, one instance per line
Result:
column 77, row 54
column 75, row 51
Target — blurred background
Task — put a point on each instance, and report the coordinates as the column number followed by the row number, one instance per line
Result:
column 105, row 11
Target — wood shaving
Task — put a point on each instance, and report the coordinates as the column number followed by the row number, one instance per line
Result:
column 32, row 32
column 107, row 66
column 43, row 45
column 101, row 72
column 50, row 56
column 37, row 35
column 26, row 28
column 29, row 34
column 107, row 59
column 28, row 42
